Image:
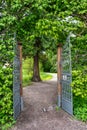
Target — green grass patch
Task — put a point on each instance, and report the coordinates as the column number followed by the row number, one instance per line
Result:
column 27, row 78
column 45, row 76
column 27, row 71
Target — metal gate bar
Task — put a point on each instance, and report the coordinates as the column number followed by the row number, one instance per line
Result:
column 67, row 101
column 16, row 82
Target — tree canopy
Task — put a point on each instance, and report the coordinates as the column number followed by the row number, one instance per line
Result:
column 42, row 24
column 49, row 20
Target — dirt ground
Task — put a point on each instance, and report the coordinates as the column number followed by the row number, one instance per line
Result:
column 40, row 111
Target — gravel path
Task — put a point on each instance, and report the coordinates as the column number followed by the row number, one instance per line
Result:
column 40, row 111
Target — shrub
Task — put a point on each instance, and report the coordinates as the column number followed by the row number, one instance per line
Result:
column 6, row 102
column 80, row 108
column 7, row 44
column 79, row 85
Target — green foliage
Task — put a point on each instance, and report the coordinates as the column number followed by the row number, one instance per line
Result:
column 80, row 108
column 6, row 81
column 45, row 76
column 51, row 21
column 49, row 61
column 79, row 52
column 79, row 75
column 53, row 61
column 79, row 83
column 57, row 108
column 46, row 63
column 27, row 71
column 6, row 102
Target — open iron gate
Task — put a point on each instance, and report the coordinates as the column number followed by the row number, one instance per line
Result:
column 16, row 82
column 67, row 101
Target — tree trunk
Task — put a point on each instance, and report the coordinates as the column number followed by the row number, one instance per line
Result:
column 36, row 72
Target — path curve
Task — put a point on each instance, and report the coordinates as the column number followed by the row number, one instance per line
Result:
column 40, row 111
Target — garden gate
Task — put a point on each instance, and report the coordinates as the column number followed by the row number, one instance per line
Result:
column 67, row 103
column 17, row 99
column 65, row 78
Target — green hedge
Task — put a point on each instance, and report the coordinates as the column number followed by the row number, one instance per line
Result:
column 79, row 83
column 6, row 81
column 6, row 97
column 79, row 86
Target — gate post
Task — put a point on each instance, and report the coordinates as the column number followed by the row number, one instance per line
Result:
column 59, row 74
column 21, row 88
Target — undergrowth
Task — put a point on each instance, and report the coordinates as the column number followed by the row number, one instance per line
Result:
column 80, row 108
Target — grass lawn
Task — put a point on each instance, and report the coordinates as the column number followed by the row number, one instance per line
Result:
column 45, row 76
column 27, row 78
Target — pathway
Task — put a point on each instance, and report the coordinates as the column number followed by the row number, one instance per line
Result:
column 40, row 111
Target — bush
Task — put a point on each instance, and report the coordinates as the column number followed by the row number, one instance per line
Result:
column 79, row 85
column 7, row 44
column 80, row 108
column 49, row 62
column 6, row 102
column 46, row 65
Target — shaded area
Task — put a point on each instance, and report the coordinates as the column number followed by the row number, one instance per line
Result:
column 37, row 97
